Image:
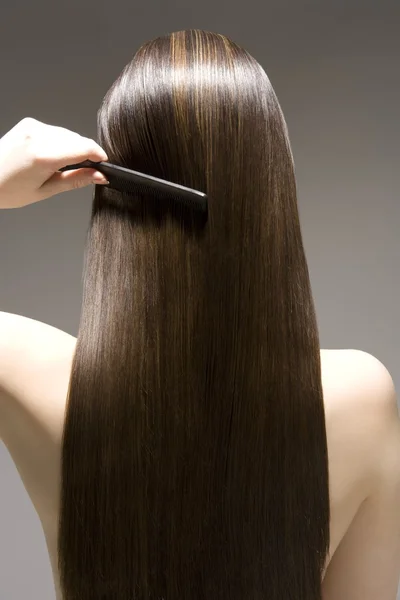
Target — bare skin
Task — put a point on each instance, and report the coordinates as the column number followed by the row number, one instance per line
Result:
column 363, row 441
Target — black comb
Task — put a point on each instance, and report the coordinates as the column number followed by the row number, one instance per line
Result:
column 131, row 182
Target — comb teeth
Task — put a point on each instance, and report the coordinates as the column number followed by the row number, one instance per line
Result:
column 189, row 198
column 131, row 182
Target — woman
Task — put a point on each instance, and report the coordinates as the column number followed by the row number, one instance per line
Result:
column 185, row 435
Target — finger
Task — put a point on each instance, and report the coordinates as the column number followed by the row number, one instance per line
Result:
column 80, row 149
column 70, row 180
column 64, row 147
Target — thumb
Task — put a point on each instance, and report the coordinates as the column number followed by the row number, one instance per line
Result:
column 67, row 181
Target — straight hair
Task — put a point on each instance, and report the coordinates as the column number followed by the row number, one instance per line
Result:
column 194, row 452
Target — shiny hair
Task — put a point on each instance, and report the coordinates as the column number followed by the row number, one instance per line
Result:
column 194, row 457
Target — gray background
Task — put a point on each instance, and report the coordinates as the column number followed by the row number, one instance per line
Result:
column 334, row 66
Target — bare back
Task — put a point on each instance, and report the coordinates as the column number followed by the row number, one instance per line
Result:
column 34, row 375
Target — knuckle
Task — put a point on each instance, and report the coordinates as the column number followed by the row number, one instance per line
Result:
column 27, row 127
column 79, row 183
column 27, row 123
column 28, row 120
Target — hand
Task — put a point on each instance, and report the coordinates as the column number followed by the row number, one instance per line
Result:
column 31, row 154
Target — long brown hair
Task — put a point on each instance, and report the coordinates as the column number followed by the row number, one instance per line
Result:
column 194, row 459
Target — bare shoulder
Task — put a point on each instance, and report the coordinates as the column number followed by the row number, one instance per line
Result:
column 356, row 381
column 361, row 414
column 357, row 365
column 35, row 363
column 363, row 429
column 15, row 330
column 25, row 344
